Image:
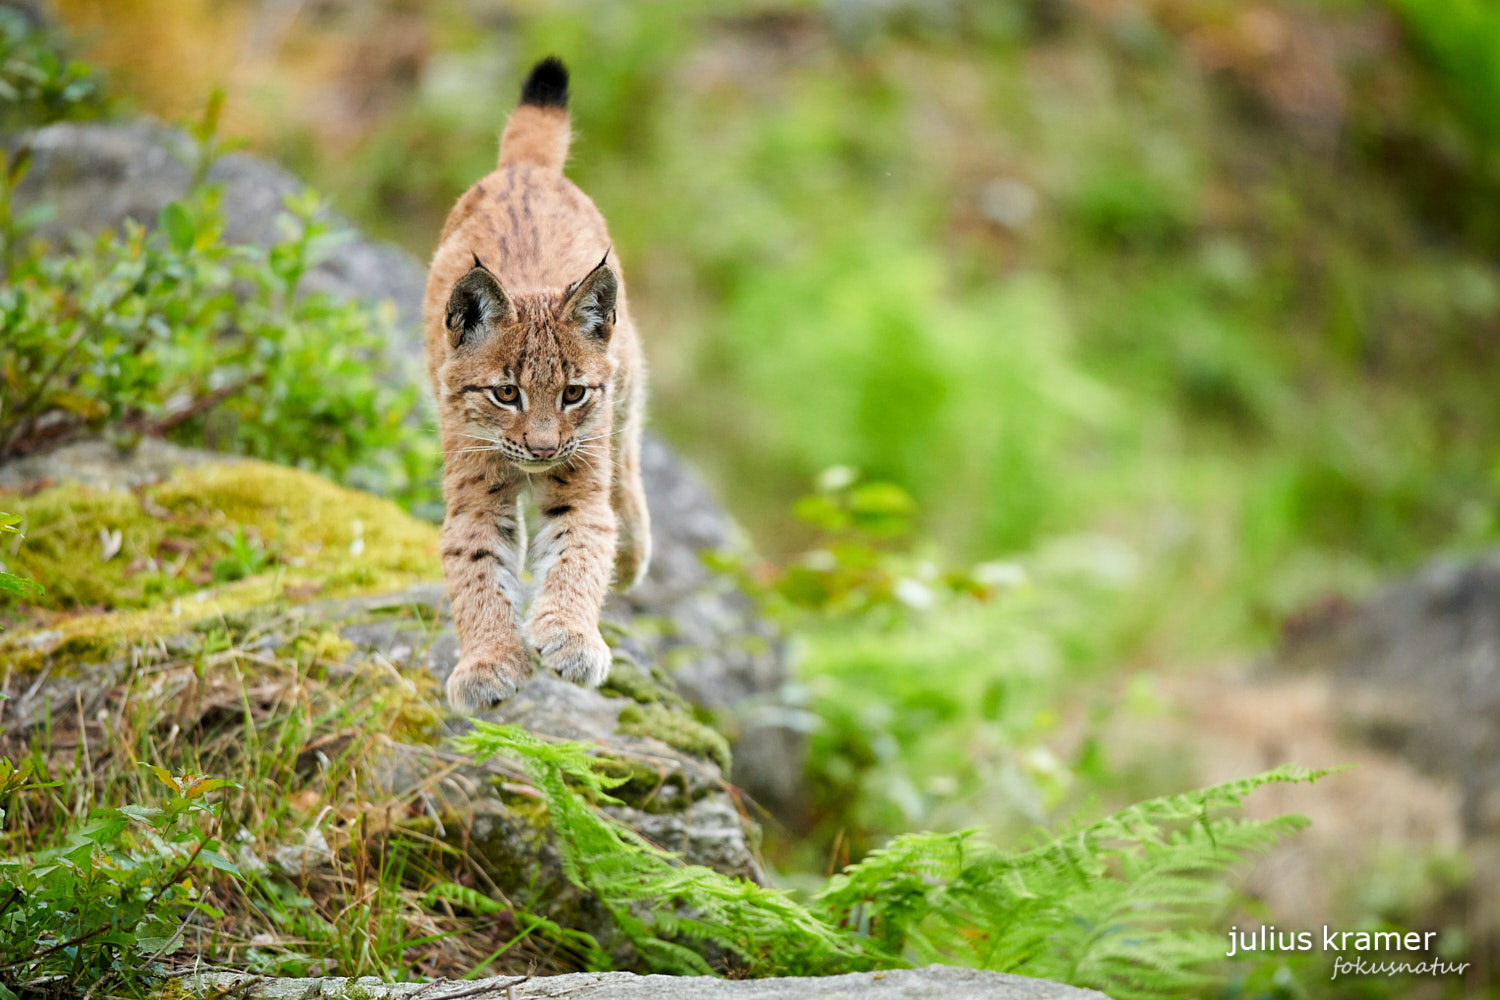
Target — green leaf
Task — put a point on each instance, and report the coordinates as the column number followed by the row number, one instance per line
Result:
column 19, row 586
column 162, row 775
column 216, row 860
column 144, row 814
column 821, row 512
column 153, row 936
column 177, row 223
column 208, row 123
column 20, row 162
column 82, row 855
column 880, row 498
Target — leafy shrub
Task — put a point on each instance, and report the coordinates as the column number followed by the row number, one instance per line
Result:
column 176, row 333
column 38, row 83
column 930, row 687
column 1131, row 206
column 965, row 399
column 111, row 899
column 861, row 564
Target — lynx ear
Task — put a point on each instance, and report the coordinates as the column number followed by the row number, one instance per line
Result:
column 476, row 306
column 591, row 302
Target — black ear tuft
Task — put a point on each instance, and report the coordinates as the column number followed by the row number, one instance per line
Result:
column 547, row 86
column 591, row 302
column 476, row 306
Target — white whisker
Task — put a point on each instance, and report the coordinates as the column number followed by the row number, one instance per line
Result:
column 589, row 465
column 614, row 457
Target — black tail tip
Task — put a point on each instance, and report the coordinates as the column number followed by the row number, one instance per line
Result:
column 547, row 85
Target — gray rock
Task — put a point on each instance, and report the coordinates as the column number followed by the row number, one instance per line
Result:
column 935, row 982
column 1416, row 668
column 1418, row 671
column 722, row 655
column 102, row 465
column 691, row 812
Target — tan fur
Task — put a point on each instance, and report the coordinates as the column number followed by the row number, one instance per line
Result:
column 535, row 135
column 539, row 236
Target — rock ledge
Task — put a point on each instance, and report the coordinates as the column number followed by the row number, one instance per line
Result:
column 936, row 982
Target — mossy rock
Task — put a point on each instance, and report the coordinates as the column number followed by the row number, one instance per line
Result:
column 295, row 571
column 645, row 685
column 210, row 541
column 677, row 729
column 214, row 524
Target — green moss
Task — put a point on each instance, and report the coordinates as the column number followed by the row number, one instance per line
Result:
column 648, row 688
column 677, row 729
column 650, row 789
column 212, row 524
column 204, row 544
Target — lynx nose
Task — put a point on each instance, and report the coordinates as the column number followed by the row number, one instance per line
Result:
column 542, row 450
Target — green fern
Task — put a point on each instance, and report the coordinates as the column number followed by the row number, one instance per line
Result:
column 1118, row 905
column 672, row 912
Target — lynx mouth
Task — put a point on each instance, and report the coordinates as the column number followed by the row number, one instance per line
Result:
column 536, row 466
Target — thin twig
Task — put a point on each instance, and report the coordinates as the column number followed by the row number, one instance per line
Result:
column 200, row 405
column 439, row 981
column 474, row 992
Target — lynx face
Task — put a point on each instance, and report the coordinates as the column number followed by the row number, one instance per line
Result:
column 531, row 375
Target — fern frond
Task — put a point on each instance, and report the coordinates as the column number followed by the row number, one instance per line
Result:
column 1116, row 904
column 1111, row 905
column 672, row 912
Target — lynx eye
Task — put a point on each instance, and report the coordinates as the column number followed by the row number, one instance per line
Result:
column 504, row 395
column 574, row 394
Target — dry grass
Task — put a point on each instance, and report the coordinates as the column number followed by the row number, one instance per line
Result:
column 348, row 866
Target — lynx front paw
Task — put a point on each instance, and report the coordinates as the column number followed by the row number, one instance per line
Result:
column 480, row 682
column 577, row 655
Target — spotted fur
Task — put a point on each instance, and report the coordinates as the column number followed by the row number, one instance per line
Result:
column 540, row 385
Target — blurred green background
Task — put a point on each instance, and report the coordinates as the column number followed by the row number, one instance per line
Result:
column 1213, row 279
column 1174, row 320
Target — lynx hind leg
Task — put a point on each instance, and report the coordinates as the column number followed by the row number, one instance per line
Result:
column 633, row 553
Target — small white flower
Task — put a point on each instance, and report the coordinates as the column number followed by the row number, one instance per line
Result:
column 1000, row 573
column 820, row 560
column 835, row 478
column 1044, row 763
column 914, row 594
column 109, row 543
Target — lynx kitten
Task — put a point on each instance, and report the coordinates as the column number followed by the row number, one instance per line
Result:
column 540, row 385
